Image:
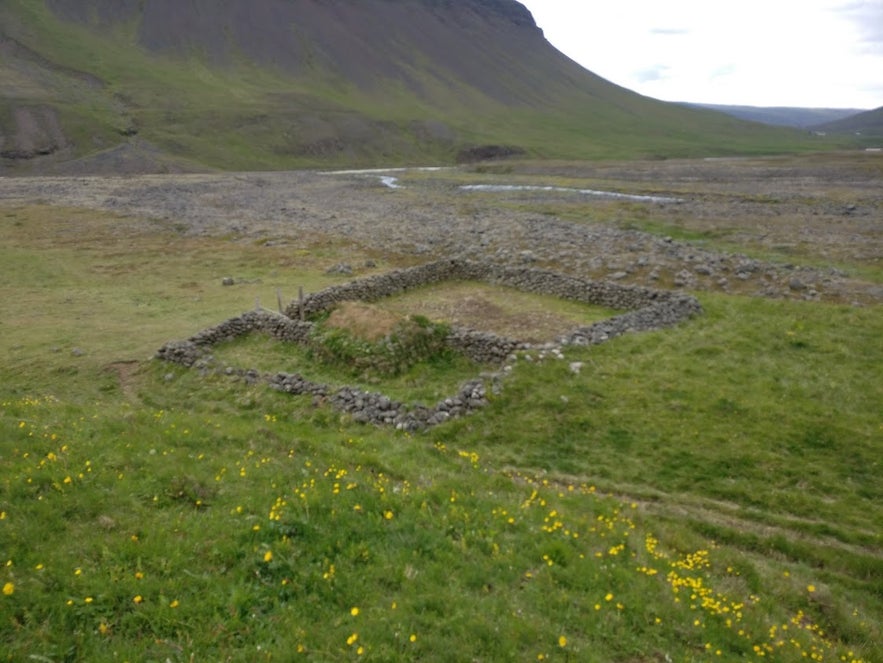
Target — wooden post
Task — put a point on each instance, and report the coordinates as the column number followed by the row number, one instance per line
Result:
column 279, row 300
column 300, row 303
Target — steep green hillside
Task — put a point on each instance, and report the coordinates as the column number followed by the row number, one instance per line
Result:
column 868, row 125
column 275, row 84
column 783, row 115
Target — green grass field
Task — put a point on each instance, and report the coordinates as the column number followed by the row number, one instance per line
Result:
column 710, row 492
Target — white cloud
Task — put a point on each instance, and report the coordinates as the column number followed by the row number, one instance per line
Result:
column 657, row 73
column 757, row 52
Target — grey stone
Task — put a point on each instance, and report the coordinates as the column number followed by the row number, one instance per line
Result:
column 684, row 278
column 342, row 269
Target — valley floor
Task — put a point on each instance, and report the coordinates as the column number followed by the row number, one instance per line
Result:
column 707, row 492
column 802, row 227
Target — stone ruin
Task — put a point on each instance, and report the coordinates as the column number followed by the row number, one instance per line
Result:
column 644, row 309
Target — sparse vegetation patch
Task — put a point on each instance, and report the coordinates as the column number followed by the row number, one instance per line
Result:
column 351, row 337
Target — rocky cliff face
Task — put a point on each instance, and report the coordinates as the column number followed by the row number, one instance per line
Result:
column 504, row 10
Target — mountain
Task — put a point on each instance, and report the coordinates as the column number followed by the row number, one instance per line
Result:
column 782, row 115
column 124, row 85
column 868, row 125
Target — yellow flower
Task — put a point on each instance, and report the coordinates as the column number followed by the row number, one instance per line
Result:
column 103, row 628
column 88, row 599
column 810, row 588
column 609, row 597
column 137, row 600
column 268, row 556
column 562, row 641
column 8, row 589
column 388, row 515
column 354, row 611
column 352, row 639
column 413, row 637
column 174, row 604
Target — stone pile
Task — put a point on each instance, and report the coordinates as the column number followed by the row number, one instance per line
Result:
column 183, row 353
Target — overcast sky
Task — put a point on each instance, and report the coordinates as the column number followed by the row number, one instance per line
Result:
column 810, row 53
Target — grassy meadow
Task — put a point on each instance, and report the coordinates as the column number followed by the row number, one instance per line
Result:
column 707, row 493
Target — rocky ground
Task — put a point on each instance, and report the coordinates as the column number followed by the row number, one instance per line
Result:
column 809, row 227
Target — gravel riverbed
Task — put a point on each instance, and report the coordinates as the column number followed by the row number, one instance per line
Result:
column 762, row 204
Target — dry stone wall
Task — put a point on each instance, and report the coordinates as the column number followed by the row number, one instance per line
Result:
column 646, row 309
column 539, row 281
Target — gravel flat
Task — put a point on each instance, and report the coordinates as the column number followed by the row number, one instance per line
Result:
column 827, row 212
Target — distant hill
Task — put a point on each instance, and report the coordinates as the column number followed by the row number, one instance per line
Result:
column 128, row 85
column 868, row 125
column 782, row 115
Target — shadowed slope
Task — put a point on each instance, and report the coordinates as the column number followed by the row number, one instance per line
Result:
column 869, row 124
